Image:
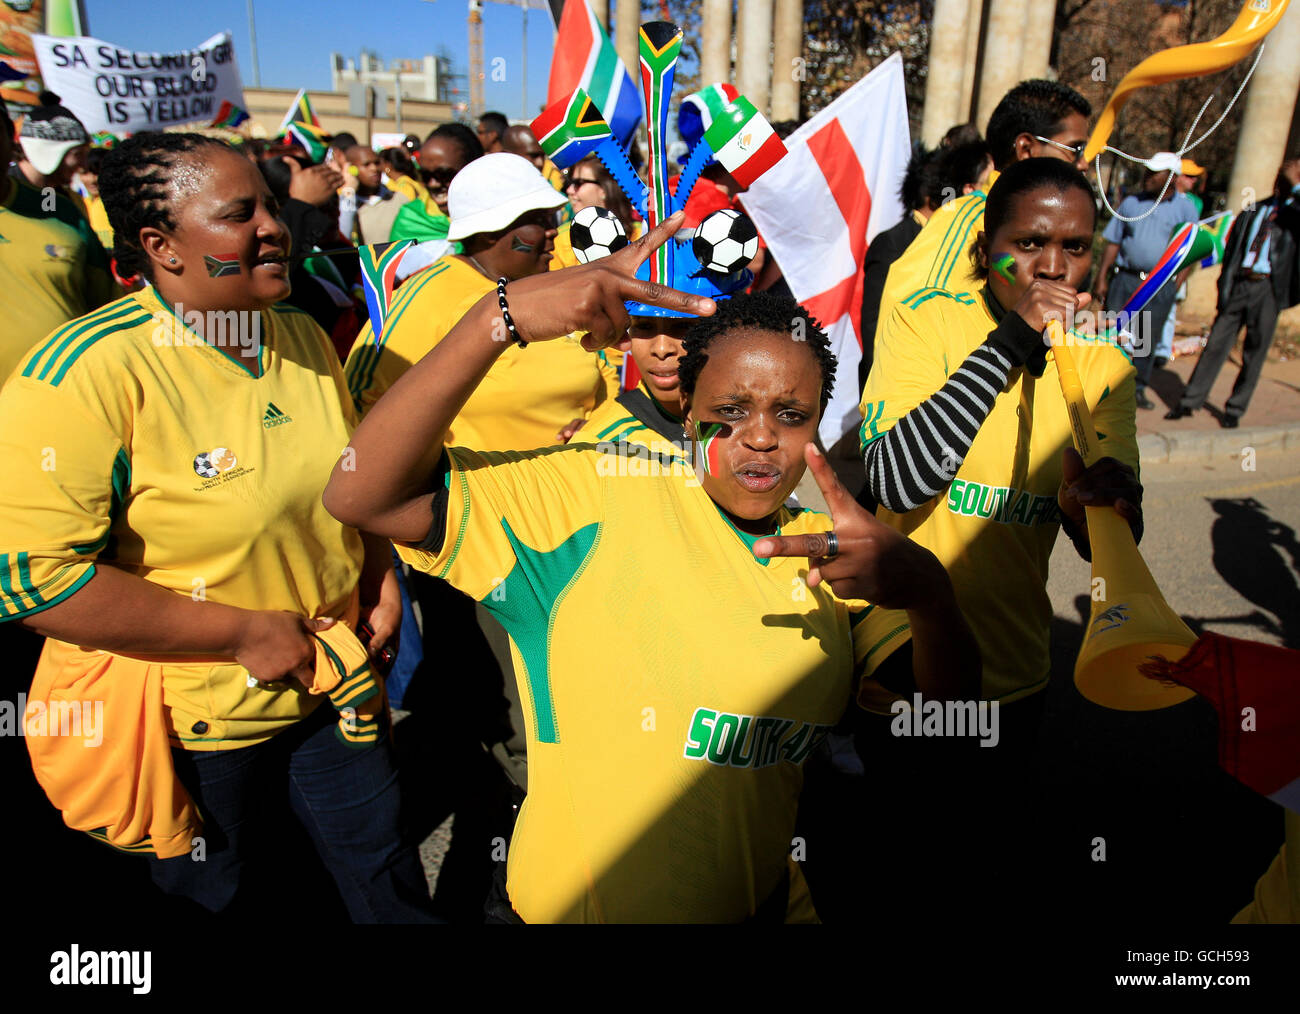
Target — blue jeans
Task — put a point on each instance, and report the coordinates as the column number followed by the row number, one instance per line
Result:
column 345, row 797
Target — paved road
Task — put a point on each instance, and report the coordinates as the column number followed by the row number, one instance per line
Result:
column 1185, row 840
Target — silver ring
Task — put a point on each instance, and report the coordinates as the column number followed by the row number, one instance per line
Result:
column 832, row 546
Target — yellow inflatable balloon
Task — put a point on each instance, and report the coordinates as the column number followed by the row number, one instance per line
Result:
column 1256, row 20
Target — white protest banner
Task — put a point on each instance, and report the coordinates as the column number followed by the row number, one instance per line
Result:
column 124, row 92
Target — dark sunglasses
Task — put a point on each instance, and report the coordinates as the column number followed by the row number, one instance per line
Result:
column 579, row 182
column 443, row 175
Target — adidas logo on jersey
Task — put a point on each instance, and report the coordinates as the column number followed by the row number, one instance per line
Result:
column 274, row 417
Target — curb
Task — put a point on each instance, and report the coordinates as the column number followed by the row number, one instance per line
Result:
column 1211, row 445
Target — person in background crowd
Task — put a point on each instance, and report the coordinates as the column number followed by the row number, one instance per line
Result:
column 1190, row 178
column 1035, row 119
column 1259, row 279
column 337, row 153
column 922, row 194
column 491, row 131
column 1135, row 247
column 88, row 177
column 520, row 140
column 320, row 286
column 376, row 205
column 445, row 152
column 108, row 562
column 53, row 265
column 401, row 175
column 54, row 144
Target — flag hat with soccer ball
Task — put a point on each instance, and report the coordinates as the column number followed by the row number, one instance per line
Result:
column 734, row 133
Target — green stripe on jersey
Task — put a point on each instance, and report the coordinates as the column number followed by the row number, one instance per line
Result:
column 70, row 332
column 97, row 336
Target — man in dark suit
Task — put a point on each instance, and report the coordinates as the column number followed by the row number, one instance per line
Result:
column 1259, row 279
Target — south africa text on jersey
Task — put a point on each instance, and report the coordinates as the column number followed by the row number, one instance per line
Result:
column 750, row 741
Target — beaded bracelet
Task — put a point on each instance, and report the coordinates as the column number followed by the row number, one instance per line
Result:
column 505, row 313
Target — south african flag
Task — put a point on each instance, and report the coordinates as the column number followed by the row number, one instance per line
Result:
column 708, row 445
column 311, row 137
column 570, row 129
column 379, row 266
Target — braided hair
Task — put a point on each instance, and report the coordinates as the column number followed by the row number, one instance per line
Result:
column 761, row 311
column 139, row 185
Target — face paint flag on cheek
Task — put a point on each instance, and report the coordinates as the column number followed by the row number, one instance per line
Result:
column 518, row 244
column 222, row 264
column 1005, row 266
column 708, row 445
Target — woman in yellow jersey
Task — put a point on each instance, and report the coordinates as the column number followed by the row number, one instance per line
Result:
column 664, row 764
column 174, row 549
column 968, row 450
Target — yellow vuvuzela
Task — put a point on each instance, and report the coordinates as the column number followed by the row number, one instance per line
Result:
column 1130, row 622
column 1257, row 19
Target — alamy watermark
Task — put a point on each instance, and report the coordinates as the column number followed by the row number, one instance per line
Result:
column 225, row 329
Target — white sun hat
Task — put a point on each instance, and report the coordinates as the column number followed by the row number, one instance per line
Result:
column 492, row 191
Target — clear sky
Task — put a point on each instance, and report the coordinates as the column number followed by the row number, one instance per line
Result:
column 295, row 38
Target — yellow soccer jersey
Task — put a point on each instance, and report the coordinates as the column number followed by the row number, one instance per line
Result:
column 939, row 256
column 673, row 683
column 634, row 417
column 124, row 446
column 529, row 393
column 995, row 525
column 54, row 268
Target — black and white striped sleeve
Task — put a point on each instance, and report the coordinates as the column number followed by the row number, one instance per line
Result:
column 919, row 456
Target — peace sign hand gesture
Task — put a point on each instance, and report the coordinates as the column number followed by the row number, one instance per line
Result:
column 590, row 297
column 872, row 561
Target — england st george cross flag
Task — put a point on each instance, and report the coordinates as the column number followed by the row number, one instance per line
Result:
column 820, row 207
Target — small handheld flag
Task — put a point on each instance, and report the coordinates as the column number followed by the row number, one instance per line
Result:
column 379, row 265
column 300, row 111
column 312, row 139
column 229, row 115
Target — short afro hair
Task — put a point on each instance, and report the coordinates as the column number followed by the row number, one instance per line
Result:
column 1035, row 107
column 1019, row 179
column 762, row 311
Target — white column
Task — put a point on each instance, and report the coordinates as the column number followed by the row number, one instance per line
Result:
column 1003, row 36
column 715, row 42
column 974, row 25
column 627, row 34
column 1040, row 27
column 787, row 47
column 754, row 53
column 947, row 64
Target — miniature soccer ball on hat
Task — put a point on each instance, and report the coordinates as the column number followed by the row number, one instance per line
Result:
column 725, row 242
column 595, row 233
